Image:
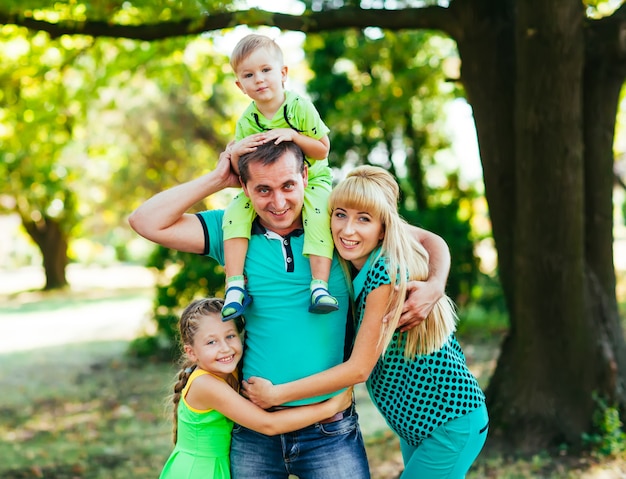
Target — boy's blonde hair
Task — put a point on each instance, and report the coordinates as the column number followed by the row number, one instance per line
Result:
column 373, row 189
column 251, row 43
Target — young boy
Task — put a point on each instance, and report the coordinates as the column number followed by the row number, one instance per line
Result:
column 277, row 115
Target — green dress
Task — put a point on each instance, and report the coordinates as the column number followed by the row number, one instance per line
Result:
column 203, row 444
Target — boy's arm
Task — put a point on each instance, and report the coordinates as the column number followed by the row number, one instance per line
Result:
column 312, row 148
column 163, row 218
column 423, row 295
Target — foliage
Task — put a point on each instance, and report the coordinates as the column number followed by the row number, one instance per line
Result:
column 608, row 439
column 83, row 121
column 184, row 277
column 446, row 221
column 385, row 105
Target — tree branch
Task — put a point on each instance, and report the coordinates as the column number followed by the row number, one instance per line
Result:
column 432, row 18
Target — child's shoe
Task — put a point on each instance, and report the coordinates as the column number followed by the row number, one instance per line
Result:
column 236, row 300
column 322, row 301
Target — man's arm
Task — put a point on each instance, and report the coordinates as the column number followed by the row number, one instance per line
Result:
column 423, row 295
column 163, row 218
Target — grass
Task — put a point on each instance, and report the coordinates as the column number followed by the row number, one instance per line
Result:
column 84, row 410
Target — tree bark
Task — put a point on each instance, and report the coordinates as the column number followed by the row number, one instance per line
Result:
column 604, row 74
column 52, row 242
column 551, row 212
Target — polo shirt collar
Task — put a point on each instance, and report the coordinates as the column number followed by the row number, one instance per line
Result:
column 259, row 229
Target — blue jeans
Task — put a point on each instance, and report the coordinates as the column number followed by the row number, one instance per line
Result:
column 450, row 450
column 321, row 451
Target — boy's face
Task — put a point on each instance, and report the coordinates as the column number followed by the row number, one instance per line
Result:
column 261, row 76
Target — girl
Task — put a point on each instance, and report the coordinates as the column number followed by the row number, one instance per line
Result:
column 208, row 386
column 417, row 379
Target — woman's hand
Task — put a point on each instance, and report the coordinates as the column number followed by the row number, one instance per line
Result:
column 260, row 391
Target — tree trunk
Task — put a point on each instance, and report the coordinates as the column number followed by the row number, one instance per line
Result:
column 551, row 212
column 52, row 243
column 604, row 74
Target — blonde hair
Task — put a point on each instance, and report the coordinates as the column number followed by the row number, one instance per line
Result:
column 373, row 189
column 251, row 43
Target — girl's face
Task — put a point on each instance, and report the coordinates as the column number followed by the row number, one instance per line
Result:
column 356, row 234
column 217, row 346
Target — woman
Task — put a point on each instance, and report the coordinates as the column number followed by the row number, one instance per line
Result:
column 417, row 379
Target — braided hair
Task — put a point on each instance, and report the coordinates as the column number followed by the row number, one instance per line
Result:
column 188, row 327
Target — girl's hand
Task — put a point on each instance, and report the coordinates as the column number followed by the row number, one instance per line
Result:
column 341, row 401
column 260, row 391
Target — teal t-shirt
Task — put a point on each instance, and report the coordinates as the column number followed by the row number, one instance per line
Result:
column 283, row 341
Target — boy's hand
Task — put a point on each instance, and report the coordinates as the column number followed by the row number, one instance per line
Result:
column 280, row 134
column 243, row 146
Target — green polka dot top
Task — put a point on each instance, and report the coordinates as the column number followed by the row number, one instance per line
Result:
column 415, row 396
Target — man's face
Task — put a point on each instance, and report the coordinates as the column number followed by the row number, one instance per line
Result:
column 277, row 193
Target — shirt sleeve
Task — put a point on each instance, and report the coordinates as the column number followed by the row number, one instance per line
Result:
column 309, row 120
column 211, row 221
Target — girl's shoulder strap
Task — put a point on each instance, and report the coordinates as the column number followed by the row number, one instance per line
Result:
column 192, row 377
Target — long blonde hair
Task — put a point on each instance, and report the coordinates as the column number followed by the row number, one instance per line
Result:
column 373, row 189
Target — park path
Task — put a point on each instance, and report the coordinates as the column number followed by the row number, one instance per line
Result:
column 25, row 326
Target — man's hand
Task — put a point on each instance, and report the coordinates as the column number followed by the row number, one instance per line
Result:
column 421, row 298
column 226, row 177
column 260, row 391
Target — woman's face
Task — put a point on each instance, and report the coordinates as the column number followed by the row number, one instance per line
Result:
column 355, row 233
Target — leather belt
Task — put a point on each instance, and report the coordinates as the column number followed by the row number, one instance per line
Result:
column 337, row 417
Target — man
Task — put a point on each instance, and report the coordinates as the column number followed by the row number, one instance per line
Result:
column 283, row 341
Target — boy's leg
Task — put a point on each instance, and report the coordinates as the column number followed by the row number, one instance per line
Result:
column 236, row 298
column 318, row 244
column 236, row 225
column 321, row 299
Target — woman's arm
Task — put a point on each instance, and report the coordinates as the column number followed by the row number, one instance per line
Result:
column 208, row 392
column 367, row 349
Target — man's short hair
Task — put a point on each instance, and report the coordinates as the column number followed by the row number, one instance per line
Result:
column 267, row 154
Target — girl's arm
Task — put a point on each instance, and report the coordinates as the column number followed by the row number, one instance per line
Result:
column 208, row 392
column 367, row 349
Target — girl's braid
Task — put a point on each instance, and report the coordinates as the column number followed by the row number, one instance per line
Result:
column 188, row 327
